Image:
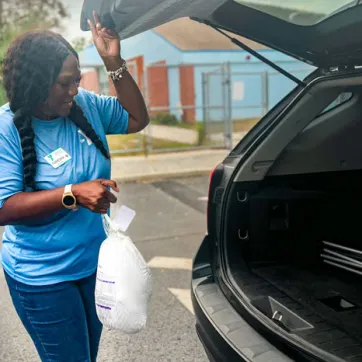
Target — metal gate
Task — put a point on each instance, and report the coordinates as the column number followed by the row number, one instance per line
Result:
column 230, row 100
column 217, row 107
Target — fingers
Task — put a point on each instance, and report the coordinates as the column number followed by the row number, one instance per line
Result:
column 103, row 206
column 112, row 32
column 110, row 183
column 109, row 34
column 97, row 26
column 111, row 198
column 101, row 210
column 97, row 22
column 113, row 185
column 96, row 17
column 106, row 34
column 93, row 28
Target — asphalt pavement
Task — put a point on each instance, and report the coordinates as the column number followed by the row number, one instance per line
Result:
column 168, row 229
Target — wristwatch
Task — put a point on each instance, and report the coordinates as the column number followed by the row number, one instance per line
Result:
column 69, row 201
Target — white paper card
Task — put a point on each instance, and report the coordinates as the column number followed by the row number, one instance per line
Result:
column 124, row 217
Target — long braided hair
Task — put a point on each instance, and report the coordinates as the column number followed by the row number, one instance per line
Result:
column 30, row 69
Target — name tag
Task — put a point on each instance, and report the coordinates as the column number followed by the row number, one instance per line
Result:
column 57, row 158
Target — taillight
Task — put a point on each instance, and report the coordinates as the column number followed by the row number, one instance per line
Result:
column 209, row 198
column 213, row 199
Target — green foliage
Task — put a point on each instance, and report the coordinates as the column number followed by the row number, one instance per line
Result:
column 23, row 14
column 165, row 119
column 201, row 133
column 80, row 42
column 19, row 16
column 3, row 98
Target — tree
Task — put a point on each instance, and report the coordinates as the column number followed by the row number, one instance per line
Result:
column 80, row 42
column 20, row 13
column 18, row 16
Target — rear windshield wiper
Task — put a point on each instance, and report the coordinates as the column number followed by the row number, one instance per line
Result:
column 257, row 55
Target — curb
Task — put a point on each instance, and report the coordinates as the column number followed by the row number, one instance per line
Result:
column 162, row 175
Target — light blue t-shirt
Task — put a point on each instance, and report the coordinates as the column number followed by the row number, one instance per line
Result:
column 65, row 245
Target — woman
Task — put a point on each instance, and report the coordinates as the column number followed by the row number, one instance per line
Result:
column 54, row 176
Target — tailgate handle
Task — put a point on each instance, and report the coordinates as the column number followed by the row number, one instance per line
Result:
column 277, row 316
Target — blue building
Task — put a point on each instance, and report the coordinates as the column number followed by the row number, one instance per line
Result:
column 189, row 69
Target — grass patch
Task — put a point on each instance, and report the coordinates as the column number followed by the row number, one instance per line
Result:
column 164, row 144
column 125, row 142
column 135, row 144
column 244, row 125
column 184, row 125
column 239, row 125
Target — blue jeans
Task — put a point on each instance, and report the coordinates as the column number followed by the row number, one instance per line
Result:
column 61, row 319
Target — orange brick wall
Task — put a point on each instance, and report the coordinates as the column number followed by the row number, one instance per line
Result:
column 157, row 82
column 187, row 92
column 136, row 69
column 90, row 81
column 158, row 86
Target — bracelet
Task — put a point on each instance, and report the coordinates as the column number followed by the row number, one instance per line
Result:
column 117, row 74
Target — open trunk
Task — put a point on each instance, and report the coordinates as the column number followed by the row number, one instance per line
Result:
column 327, row 31
column 275, row 241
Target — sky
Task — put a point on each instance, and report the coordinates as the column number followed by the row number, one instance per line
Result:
column 71, row 24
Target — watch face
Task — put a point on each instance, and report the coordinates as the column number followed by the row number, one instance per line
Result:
column 69, row 200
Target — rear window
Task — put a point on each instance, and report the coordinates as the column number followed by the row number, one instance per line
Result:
column 342, row 98
column 300, row 12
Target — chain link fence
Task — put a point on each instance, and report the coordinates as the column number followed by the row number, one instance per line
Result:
column 202, row 106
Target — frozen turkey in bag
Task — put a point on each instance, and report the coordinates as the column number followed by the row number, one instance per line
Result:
column 123, row 285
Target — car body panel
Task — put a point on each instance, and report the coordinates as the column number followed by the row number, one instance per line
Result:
column 225, row 335
column 333, row 42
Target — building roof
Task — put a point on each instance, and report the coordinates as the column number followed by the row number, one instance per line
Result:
column 89, row 57
column 187, row 34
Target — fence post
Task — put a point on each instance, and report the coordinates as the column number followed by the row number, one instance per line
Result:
column 228, row 108
column 231, row 123
column 147, row 140
column 265, row 92
column 205, row 106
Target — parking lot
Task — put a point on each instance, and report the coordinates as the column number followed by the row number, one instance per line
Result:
column 168, row 229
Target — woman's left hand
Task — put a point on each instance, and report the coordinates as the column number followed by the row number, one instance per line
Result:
column 107, row 41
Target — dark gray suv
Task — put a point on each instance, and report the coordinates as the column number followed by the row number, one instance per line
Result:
column 278, row 276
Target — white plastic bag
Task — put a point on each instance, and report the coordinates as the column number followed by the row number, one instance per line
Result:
column 124, row 285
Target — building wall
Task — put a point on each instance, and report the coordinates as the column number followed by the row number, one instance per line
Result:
column 90, row 80
column 152, row 47
column 149, row 44
column 187, row 92
column 156, row 50
column 142, row 51
column 247, row 81
column 171, row 86
column 158, row 92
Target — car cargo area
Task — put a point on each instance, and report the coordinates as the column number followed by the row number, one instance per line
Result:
column 276, row 233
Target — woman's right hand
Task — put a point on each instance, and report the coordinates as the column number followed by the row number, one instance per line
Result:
column 95, row 196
